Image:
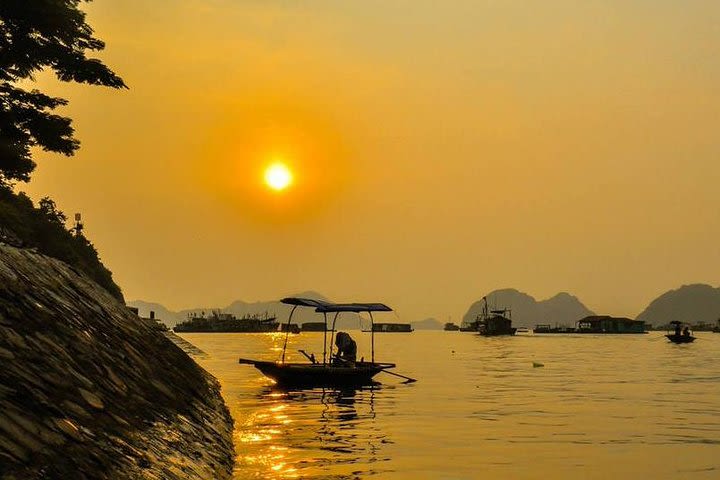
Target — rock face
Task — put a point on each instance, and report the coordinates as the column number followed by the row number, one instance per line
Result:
column 562, row 309
column 90, row 391
column 689, row 303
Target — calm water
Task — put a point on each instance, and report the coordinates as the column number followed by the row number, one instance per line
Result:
column 601, row 407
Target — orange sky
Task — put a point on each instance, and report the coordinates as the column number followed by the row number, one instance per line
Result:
column 440, row 150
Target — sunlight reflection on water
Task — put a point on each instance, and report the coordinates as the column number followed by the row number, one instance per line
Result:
column 621, row 406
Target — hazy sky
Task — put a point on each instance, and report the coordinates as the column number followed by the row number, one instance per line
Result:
column 440, row 150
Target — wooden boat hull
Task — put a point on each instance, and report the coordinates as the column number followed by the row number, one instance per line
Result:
column 319, row 375
column 680, row 338
column 499, row 333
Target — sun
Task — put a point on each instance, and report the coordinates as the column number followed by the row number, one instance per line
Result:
column 278, row 176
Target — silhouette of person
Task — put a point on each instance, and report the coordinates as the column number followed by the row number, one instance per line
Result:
column 677, row 329
column 686, row 332
column 347, row 349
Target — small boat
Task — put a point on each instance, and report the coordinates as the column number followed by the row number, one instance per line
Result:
column 391, row 328
column 318, row 374
column 680, row 338
column 330, row 370
column 451, row 327
column 677, row 337
column 493, row 323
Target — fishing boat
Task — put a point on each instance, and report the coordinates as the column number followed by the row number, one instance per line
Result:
column 220, row 322
column 492, row 323
column 677, row 337
column 331, row 370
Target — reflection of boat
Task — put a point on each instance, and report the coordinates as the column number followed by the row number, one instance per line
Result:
column 495, row 322
column 227, row 322
column 333, row 428
column 332, row 371
column 677, row 336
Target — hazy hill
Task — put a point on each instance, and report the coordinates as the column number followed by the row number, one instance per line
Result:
column 563, row 308
column 346, row 321
column 689, row 303
column 427, row 324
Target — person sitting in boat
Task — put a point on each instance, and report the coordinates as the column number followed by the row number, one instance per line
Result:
column 686, row 332
column 347, row 350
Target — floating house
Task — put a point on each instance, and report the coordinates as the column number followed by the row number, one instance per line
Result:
column 391, row 327
column 546, row 328
column 313, row 327
column 608, row 324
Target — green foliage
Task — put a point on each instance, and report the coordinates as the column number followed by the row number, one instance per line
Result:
column 35, row 35
column 44, row 228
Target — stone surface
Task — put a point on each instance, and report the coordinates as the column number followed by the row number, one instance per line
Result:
column 90, row 390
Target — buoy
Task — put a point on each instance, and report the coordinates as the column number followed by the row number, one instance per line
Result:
column 537, row 364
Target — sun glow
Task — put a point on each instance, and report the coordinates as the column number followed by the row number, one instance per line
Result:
column 278, row 176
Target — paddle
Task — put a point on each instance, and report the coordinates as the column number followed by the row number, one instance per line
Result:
column 310, row 357
column 407, row 379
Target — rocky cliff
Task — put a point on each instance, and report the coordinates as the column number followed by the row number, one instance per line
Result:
column 89, row 390
column 689, row 303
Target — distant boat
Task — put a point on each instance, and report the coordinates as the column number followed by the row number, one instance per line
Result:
column 522, row 330
column 677, row 336
column 470, row 326
column 219, row 322
column 292, row 328
column 546, row 328
column 451, row 327
column 312, row 327
column 391, row 328
column 680, row 338
column 493, row 323
column 332, row 371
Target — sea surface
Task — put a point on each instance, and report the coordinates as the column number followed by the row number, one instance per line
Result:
column 523, row 407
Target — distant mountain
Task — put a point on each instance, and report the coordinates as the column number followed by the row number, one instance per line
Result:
column 689, row 303
column 345, row 321
column 562, row 309
column 427, row 324
column 168, row 317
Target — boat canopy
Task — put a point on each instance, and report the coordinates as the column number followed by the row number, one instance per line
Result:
column 304, row 302
column 322, row 306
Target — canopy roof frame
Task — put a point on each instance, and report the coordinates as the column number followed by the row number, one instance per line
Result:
column 324, row 307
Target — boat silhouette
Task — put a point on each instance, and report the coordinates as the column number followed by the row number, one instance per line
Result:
column 333, row 370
